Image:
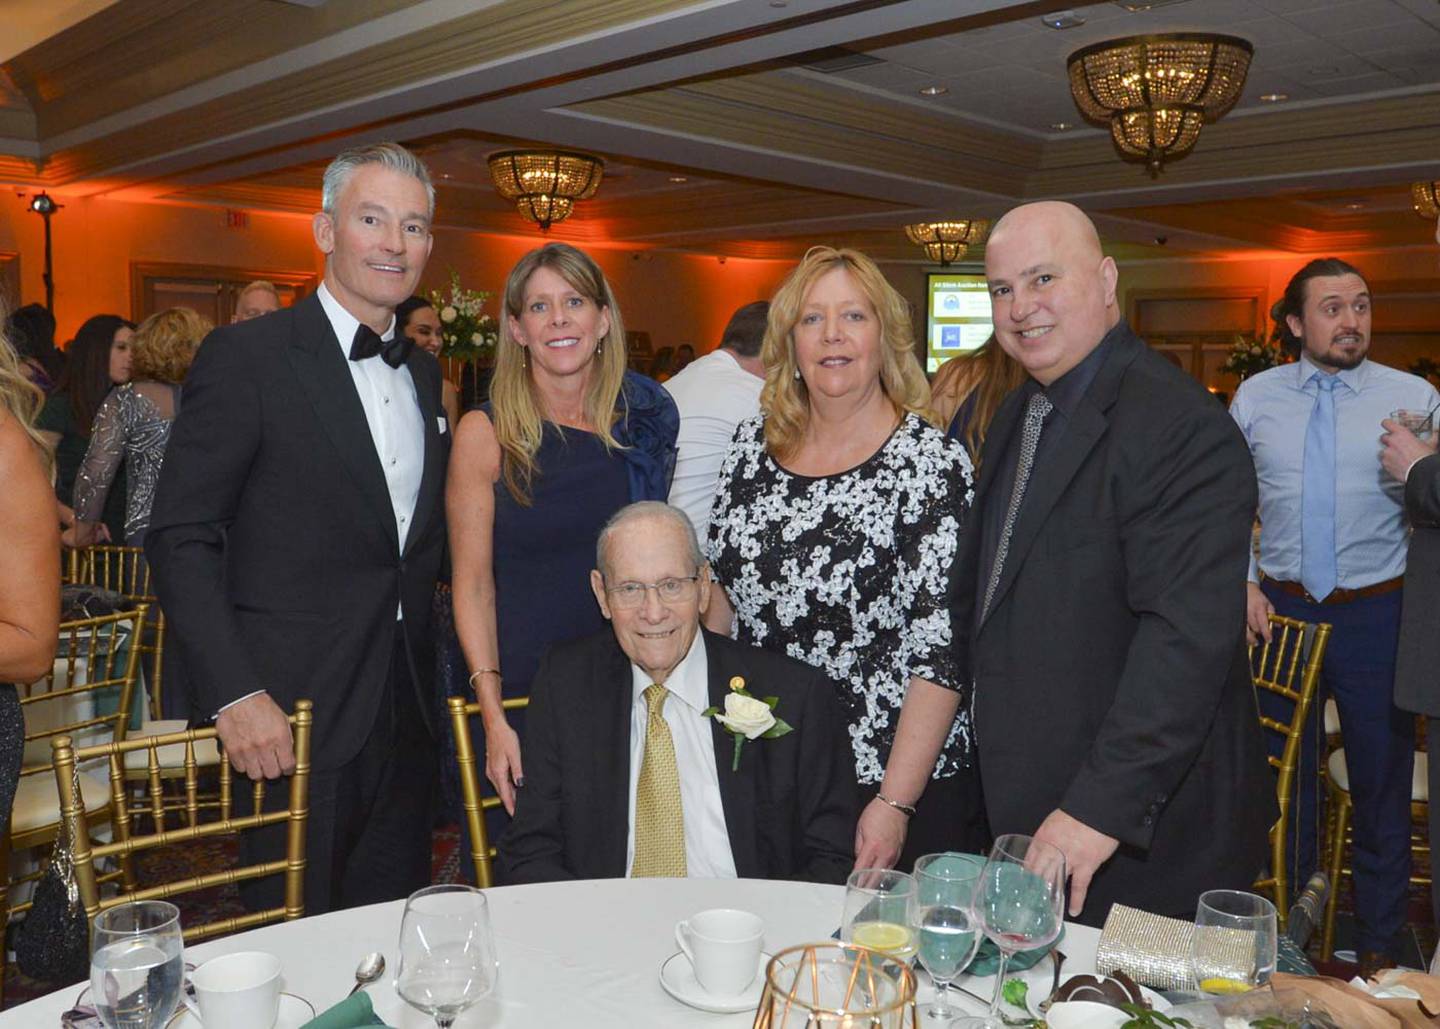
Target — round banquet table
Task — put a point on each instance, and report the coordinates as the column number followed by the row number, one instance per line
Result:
column 571, row 953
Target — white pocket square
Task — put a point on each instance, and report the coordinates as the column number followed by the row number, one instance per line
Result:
column 444, row 425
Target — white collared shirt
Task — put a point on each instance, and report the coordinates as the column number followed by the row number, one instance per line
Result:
column 392, row 411
column 707, row 843
column 714, row 395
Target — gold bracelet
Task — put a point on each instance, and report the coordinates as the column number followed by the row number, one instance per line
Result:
column 483, row 671
column 908, row 810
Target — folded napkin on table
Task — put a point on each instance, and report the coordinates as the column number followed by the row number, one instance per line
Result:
column 351, row 1013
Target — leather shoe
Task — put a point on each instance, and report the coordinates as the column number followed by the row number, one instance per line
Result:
column 1372, row 962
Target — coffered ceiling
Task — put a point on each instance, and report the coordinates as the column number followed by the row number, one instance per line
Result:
column 749, row 127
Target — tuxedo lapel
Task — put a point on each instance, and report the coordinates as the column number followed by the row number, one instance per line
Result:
column 432, row 475
column 319, row 365
column 737, row 787
column 611, row 752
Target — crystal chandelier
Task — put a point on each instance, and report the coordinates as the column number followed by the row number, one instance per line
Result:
column 1156, row 91
column 544, row 184
column 946, row 242
column 1425, row 196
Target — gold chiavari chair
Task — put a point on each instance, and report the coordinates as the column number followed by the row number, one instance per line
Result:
column 1274, row 666
column 482, row 853
column 96, row 665
column 88, row 855
column 124, row 570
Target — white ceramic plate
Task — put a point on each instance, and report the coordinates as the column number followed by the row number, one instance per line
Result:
column 295, row 1011
column 1034, row 999
column 678, row 979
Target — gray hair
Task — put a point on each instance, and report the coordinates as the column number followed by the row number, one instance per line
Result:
column 647, row 509
column 390, row 155
column 261, row 286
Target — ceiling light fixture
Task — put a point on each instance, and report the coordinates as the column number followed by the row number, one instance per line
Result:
column 945, row 242
column 1425, row 197
column 678, row 178
column 934, row 90
column 1156, row 91
column 1062, row 126
column 544, row 184
column 1274, row 98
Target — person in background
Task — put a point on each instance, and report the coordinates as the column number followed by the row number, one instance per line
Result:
column 29, row 564
column 133, row 424
column 258, row 298
column 626, row 778
column 662, row 365
column 967, row 391
column 416, row 319
column 31, row 331
column 837, row 516
column 97, row 361
column 684, row 355
column 1332, row 549
column 568, row 438
column 715, row 394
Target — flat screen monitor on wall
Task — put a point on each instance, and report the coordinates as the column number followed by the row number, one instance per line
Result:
column 958, row 316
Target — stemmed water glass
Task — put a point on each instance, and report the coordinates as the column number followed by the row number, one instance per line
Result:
column 136, row 964
column 1020, row 903
column 942, row 916
column 447, row 952
column 1235, row 942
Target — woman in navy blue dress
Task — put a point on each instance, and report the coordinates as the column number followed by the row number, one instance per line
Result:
column 568, row 438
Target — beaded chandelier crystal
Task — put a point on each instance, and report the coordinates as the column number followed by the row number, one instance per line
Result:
column 1425, row 197
column 544, row 184
column 945, row 242
column 1156, row 91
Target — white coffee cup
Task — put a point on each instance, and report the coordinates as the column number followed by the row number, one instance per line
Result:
column 723, row 946
column 237, row 991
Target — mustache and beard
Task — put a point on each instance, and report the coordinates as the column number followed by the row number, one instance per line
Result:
column 1345, row 350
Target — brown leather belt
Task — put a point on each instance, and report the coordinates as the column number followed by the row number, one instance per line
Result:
column 1339, row 596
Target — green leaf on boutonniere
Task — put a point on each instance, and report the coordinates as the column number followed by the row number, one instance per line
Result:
column 739, row 742
column 780, row 728
column 771, row 702
column 710, row 712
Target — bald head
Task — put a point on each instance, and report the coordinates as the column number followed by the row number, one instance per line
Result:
column 1052, row 290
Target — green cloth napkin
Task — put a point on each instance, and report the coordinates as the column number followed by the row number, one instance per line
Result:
column 352, row 1012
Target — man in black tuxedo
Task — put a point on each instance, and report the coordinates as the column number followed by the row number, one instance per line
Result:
column 624, row 775
column 297, row 534
column 1103, row 584
column 1417, row 663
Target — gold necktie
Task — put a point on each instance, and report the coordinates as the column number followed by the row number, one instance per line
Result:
column 659, row 815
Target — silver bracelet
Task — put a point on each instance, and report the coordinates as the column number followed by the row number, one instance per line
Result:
column 908, row 810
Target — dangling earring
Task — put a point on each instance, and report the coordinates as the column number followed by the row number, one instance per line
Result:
column 525, row 355
column 797, row 373
column 599, row 348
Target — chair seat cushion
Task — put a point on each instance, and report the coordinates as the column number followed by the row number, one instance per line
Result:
column 37, row 801
column 172, row 755
column 1419, row 781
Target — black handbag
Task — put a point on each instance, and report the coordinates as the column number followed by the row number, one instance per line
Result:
column 53, row 944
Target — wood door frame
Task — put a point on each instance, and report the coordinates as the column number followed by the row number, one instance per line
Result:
column 9, row 279
column 303, row 283
column 1258, row 294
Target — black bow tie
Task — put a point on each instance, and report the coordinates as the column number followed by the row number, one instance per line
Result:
column 367, row 343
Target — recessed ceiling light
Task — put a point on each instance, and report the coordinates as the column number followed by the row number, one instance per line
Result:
column 444, row 175
column 1273, row 98
column 678, row 178
column 779, row 3
column 1062, row 126
column 1355, row 206
column 1063, row 20
column 934, row 90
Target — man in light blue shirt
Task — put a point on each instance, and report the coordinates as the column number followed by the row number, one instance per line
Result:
column 1333, row 538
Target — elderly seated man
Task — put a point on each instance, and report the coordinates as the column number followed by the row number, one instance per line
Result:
column 629, row 771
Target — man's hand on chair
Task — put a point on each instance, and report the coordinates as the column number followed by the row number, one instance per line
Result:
column 256, row 735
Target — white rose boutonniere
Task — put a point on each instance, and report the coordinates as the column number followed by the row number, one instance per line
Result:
column 747, row 717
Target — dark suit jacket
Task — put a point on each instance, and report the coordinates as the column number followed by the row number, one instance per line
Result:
column 789, row 809
column 1111, row 676
column 1417, row 665
column 273, row 540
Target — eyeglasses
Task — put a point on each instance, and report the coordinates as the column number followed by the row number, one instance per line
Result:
column 670, row 591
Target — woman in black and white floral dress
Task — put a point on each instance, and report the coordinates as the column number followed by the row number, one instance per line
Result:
column 833, row 539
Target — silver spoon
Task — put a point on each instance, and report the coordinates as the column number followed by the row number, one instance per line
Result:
column 371, row 967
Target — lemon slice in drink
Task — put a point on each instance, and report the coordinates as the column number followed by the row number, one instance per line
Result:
column 1219, row 985
column 883, row 936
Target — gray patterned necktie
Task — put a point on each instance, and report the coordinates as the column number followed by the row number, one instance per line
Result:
column 1035, row 413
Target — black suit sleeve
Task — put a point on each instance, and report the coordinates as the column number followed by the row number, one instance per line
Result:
column 826, row 784
column 207, row 461
column 1422, row 493
column 532, row 849
column 1190, row 497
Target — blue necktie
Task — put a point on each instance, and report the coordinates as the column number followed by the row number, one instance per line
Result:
column 1317, row 493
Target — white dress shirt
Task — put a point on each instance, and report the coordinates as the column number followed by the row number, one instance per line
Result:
column 707, row 843
column 714, row 395
column 392, row 410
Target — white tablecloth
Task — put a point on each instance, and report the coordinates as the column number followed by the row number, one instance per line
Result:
column 571, row 954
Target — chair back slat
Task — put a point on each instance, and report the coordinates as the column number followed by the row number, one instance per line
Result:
column 125, row 571
column 482, row 852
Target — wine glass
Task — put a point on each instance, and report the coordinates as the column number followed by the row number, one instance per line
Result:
column 136, row 964
column 1234, row 946
column 447, row 952
column 877, row 915
column 942, row 916
column 1020, row 903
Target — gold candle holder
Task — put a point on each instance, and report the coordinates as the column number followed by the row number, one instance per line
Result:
column 836, row 986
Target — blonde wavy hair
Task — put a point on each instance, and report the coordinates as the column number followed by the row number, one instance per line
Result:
column 19, row 396
column 165, row 344
column 515, row 407
column 785, row 398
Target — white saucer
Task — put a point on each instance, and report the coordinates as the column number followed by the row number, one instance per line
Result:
column 678, row 978
column 295, row 1011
